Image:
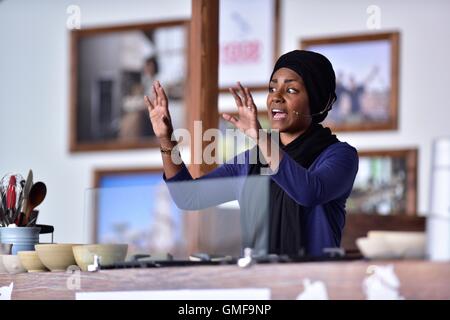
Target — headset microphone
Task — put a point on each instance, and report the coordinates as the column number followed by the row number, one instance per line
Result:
column 327, row 108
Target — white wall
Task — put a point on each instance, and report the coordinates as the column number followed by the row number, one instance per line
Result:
column 34, row 79
column 34, row 86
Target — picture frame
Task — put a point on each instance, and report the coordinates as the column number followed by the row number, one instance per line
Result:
column 131, row 205
column 386, row 183
column 367, row 79
column 248, row 42
column 111, row 69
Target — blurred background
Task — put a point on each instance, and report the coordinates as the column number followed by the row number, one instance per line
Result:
column 37, row 73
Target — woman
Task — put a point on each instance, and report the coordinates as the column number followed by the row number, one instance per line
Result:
column 314, row 171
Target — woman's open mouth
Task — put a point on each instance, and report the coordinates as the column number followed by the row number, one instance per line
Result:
column 278, row 114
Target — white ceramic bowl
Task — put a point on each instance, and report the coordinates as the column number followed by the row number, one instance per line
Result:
column 2, row 267
column 30, row 261
column 12, row 264
column 107, row 253
column 402, row 244
column 56, row 256
column 374, row 248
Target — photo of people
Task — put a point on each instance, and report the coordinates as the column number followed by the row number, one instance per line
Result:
column 385, row 184
column 364, row 83
column 115, row 70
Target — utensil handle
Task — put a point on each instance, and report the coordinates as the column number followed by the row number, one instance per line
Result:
column 45, row 228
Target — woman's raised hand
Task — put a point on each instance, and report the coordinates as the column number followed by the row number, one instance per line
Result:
column 248, row 121
column 158, row 108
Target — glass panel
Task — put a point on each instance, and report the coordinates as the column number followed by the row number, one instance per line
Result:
column 180, row 220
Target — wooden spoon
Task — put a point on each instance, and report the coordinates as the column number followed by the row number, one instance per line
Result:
column 37, row 194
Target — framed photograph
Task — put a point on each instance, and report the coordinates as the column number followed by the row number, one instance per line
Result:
column 367, row 72
column 386, row 183
column 248, row 42
column 112, row 68
column 133, row 206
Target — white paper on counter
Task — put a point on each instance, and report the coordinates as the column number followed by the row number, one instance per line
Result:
column 6, row 292
column 314, row 290
column 194, row 294
column 382, row 284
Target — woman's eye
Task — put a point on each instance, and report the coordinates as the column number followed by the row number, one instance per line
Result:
column 289, row 90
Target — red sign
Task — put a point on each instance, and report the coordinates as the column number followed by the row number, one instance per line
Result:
column 241, row 52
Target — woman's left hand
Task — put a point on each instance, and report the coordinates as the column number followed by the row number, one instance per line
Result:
column 248, row 121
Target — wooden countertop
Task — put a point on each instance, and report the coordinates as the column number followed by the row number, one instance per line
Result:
column 418, row 279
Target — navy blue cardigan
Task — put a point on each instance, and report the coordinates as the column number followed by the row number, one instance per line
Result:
column 322, row 189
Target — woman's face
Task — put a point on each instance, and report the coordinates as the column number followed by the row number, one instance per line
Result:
column 287, row 102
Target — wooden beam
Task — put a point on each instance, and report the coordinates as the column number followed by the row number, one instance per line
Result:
column 203, row 77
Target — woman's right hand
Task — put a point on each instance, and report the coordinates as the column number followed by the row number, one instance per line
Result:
column 158, row 108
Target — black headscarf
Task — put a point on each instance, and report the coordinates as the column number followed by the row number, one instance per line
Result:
column 287, row 217
column 318, row 76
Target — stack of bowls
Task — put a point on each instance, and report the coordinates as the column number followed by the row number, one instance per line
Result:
column 108, row 254
column 12, row 264
column 56, row 256
column 9, row 263
column 31, row 262
column 5, row 249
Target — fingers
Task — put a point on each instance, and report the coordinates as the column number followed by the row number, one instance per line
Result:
column 237, row 98
column 241, row 89
column 154, row 94
column 162, row 98
column 242, row 93
column 250, row 101
column 148, row 103
column 245, row 93
column 159, row 95
column 230, row 118
column 243, row 98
